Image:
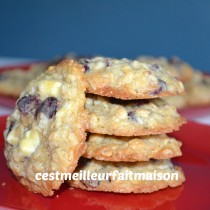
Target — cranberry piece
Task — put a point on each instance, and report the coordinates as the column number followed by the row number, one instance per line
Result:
column 49, row 107
column 85, row 62
column 27, row 104
column 86, row 68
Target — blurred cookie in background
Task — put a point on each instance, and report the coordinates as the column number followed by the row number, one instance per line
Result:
column 12, row 82
column 175, row 65
column 197, row 92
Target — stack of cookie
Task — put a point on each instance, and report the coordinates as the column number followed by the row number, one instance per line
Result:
column 128, row 125
column 46, row 133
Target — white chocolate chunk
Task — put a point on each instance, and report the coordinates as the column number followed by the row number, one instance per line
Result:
column 12, row 137
column 49, row 88
column 100, row 65
column 30, row 142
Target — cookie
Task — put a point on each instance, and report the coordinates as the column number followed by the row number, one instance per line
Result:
column 46, row 132
column 197, row 93
column 179, row 102
column 12, row 82
column 131, row 118
column 174, row 65
column 129, row 79
column 130, row 185
column 129, row 149
column 198, row 90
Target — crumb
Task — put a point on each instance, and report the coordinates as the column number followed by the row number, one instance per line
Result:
column 71, row 188
column 57, row 196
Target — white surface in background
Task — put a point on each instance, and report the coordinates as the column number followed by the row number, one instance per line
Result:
column 4, row 110
column 203, row 120
column 5, row 61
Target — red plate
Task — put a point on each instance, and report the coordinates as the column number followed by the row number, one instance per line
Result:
column 193, row 194
column 25, row 66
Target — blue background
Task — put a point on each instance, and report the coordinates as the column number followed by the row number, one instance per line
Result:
column 122, row 28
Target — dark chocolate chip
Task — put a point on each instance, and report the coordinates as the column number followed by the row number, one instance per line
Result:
column 27, row 104
column 91, row 183
column 49, row 107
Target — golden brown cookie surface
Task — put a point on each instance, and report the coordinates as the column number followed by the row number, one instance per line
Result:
column 129, row 79
column 131, row 149
column 131, row 118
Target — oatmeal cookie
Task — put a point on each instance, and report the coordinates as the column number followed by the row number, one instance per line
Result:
column 129, row 79
column 178, row 101
column 130, row 149
column 46, row 131
column 197, row 93
column 12, row 82
column 131, row 118
column 127, row 186
column 198, row 90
